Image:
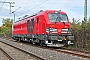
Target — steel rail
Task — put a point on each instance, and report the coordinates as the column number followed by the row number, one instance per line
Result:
column 6, row 54
column 24, row 51
column 67, row 51
column 76, row 54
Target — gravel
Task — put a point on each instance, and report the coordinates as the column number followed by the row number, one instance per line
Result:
column 16, row 54
column 2, row 56
column 44, row 53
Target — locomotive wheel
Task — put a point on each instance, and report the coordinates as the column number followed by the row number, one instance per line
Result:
column 33, row 43
column 66, row 45
column 14, row 40
column 41, row 44
column 29, row 41
column 19, row 39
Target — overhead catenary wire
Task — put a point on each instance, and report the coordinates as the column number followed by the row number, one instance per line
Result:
column 29, row 9
column 34, row 7
column 2, row 5
column 14, row 13
column 16, row 10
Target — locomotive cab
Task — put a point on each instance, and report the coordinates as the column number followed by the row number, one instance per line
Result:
column 58, row 29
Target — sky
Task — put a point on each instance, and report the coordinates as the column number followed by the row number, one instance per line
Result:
column 73, row 8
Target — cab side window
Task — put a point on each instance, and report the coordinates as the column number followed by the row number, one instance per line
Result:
column 37, row 20
column 32, row 24
column 28, row 25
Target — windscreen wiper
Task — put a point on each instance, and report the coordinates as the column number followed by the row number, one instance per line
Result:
column 57, row 19
column 63, row 22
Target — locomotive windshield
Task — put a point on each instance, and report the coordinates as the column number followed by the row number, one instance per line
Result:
column 53, row 17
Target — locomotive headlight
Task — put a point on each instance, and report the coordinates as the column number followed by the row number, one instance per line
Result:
column 65, row 31
column 47, row 29
column 51, row 30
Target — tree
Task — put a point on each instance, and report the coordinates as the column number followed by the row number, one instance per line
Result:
column 0, row 29
column 89, row 20
column 88, row 24
column 6, row 26
column 75, row 24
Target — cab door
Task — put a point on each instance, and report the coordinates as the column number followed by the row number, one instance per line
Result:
column 37, row 28
column 30, row 25
column 40, row 25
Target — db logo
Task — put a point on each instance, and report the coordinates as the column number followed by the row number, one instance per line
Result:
column 59, row 30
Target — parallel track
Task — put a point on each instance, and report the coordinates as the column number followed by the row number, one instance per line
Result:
column 20, row 50
column 6, row 54
column 71, row 51
column 76, row 53
column 67, row 51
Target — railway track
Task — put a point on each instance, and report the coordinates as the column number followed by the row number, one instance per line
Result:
column 14, row 53
column 6, row 55
column 69, row 51
column 77, row 53
column 73, row 52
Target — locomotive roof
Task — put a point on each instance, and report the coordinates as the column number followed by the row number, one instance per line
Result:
column 39, row 12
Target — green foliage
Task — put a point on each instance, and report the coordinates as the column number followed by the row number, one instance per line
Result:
column 6, row 26
column 75, row 24
column 88, row 24
column 81, row 32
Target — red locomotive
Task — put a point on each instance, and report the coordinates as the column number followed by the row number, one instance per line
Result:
column 50, row 28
